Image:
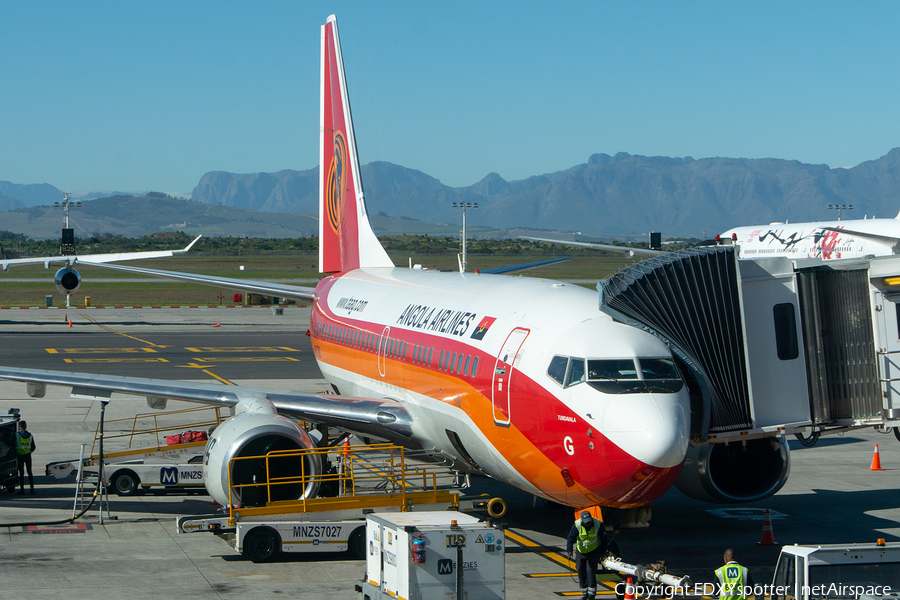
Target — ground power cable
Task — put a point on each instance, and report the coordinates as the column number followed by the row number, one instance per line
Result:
column 103, row 404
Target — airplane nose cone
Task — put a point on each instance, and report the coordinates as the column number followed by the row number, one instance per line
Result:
column 651, row 428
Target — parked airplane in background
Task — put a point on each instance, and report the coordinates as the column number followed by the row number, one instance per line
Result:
column 68, row 280
column 524, row 380
column 823, row 239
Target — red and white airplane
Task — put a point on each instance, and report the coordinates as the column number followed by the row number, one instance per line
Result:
column 825, row 239
column 524, row 380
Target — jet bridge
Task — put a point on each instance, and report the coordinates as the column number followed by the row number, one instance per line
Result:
column 771, row 346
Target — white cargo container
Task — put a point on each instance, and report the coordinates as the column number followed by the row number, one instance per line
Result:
column 431, row 556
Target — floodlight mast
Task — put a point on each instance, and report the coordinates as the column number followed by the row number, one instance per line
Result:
column 840, row 207
column 65, row 204
column 464, row 206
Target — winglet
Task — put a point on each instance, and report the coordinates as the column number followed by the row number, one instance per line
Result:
column 188, row 247
column 346, row 238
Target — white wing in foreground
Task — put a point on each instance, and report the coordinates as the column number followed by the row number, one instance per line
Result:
column 385, row 418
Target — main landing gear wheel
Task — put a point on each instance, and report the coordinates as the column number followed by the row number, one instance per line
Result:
column 262, row 544
column 126, row 483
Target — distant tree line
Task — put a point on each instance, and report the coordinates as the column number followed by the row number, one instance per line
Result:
column 16, row 244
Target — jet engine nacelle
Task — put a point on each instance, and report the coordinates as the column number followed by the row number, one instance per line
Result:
column 67, row 280
column 256, row 434
column 736, row 472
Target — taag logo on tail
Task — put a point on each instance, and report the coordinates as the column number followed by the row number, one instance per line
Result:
column 334, row 200
column 346, row 238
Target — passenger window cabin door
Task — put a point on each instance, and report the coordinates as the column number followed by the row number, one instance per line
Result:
column 508, row 359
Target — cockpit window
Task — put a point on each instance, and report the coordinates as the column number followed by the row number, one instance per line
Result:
column 618, row 375
column 612, row 369
column 557, row 369
column 658, row 368
column 576, row 372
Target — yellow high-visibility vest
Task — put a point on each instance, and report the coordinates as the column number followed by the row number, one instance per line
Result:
column 24, row 444
column 733, row 578
column 588, row 540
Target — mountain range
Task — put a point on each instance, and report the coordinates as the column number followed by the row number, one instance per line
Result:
column 607, row 195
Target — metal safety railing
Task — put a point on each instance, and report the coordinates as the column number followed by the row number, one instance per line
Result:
column 888, row 364
column 149, row 430
column 363, row 476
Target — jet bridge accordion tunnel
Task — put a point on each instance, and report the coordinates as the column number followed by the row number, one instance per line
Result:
column 766, row 347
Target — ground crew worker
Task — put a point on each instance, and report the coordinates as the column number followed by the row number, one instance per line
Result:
column 24, row 447
column 588, row 536
column 734, row 580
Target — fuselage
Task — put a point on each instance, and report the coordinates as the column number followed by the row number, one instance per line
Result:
column 522, row 379
column 811, row 240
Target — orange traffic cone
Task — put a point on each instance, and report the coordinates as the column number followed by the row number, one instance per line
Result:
column 629, row 589
column 768, row 536
column 70, row 322
column 217, row 325
column 876, row 461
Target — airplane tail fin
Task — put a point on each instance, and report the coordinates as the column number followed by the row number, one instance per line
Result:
column 346, row 238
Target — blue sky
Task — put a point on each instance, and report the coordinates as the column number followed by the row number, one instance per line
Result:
column 139, row 96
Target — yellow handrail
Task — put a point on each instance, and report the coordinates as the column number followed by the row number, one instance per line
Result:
column 143, row 433
column 366, row 471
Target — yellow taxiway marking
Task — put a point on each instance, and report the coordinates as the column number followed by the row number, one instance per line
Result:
column 115, row 360
column 205, row 369
column 94, row 321
column 243, row 349
column 248, row 359
column 555, row 556
column 225, row 381
column 100, row 350
column 550, row 554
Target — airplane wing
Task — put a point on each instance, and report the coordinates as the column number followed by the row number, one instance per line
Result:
column 881, row 239
column 523, row 266
column 630, row 251
column 384, row 418
column 248, row 285
column 94, row 258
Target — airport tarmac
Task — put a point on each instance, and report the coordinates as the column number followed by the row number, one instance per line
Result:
column 831, row 496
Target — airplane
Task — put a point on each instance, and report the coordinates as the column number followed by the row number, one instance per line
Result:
column 68, row 279
column 523, row 380
column 827, row 240
column 822, row 239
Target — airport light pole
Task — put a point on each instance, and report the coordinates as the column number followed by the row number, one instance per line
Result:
column 840, row 207
column 65, row 205
column 464, row 206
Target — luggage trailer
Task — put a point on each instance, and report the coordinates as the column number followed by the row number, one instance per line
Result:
column 330, row 517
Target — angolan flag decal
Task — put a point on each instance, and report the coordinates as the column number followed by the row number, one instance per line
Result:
column 482, row 328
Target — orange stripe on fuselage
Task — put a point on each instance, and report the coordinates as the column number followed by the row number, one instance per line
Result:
column 533, row 446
